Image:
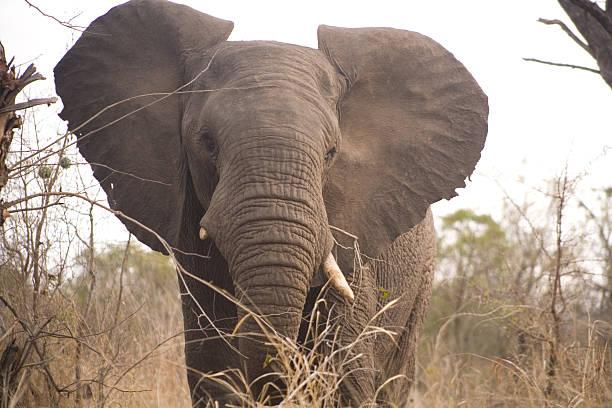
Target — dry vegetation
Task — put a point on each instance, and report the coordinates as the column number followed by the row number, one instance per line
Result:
column 521, row 314
column 522, row 310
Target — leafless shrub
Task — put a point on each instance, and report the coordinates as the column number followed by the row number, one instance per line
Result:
column 70, row 318
column 520, row 330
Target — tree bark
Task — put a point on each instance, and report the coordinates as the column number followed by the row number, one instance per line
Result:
column 595, row 25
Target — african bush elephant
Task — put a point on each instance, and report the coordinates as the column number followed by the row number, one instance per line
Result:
column 277, row 155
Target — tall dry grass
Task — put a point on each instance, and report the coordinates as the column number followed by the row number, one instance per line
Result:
column 522, row 377
column 127, row 351
column 139, row 361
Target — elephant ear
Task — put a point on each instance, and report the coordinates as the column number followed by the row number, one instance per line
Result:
column 130, row 59
column 413, row 123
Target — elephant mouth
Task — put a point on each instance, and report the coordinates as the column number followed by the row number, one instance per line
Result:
column 330, row 268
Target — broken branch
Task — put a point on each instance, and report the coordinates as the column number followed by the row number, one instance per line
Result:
column 28, row 104
column 567, row 31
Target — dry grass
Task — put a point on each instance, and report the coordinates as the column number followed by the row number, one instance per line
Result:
column 310, row 376
column 582, row 377
column 141, row 364
column 138, row 360
column 56, row 357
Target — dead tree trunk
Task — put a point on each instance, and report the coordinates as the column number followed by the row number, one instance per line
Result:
column 10, row 86
column 595, row 25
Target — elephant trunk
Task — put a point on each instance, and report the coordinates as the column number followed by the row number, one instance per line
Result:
column 271, row 279
column 276, row 291
column 274, row 235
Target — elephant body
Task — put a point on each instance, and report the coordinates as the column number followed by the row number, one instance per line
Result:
column 267, row 169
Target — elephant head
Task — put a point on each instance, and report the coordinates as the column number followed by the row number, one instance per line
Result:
column 259, row 147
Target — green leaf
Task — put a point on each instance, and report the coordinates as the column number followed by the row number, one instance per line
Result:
column 385, row 292
column 267, row 360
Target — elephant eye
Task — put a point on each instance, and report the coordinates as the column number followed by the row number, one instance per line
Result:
column 209, row 142
column 330, row 154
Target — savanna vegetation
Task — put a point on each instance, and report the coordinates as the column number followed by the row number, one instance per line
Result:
column 521, row 313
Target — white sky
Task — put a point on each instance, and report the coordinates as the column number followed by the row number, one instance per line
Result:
column 540, row 116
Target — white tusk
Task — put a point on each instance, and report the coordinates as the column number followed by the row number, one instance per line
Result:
column 335, row 275
column 203, row 234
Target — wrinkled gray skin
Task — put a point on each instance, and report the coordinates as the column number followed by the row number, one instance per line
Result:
column 267, row 146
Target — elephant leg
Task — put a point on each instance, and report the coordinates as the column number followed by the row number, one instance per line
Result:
column 404, row 274
column 402, row 361
column 355, row 340
column 206, row 352
column 208, row 320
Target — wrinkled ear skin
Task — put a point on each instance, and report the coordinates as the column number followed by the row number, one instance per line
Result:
column 136, row 49
column 413, row 123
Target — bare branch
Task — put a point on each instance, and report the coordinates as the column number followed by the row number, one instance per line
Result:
column 36, row 208
column 93, row 164
column 558, row 64
column 567, row 31
column 28, row 104
column 64, row 23
column 46, row 194
column 121, row 273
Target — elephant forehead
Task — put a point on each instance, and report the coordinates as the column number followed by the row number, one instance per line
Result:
column 238, row 63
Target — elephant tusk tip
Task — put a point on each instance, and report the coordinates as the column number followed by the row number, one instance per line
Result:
column 349, row 295
column 346, row 291
column 203, row 234
column 335, row 275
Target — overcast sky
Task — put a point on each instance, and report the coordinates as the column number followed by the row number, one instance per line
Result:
column 540, row 116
